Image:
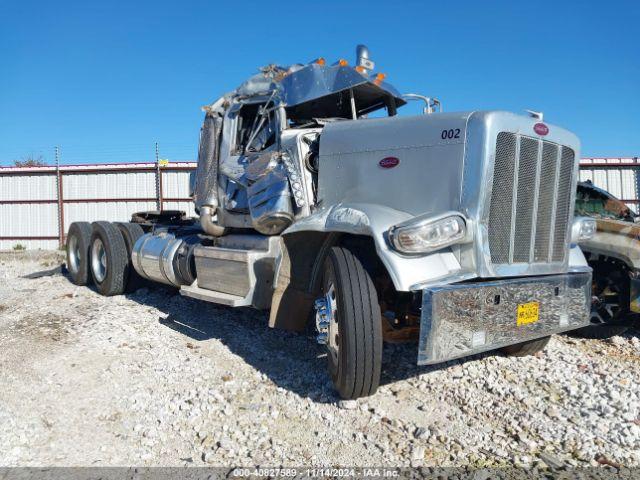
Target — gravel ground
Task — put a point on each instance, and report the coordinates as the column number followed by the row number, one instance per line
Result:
column 153, row 378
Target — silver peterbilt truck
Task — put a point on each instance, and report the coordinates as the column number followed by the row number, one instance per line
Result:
column 318, row 202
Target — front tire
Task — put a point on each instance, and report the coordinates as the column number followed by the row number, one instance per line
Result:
column 354, row 343
column 78, row 245
column 108, row 259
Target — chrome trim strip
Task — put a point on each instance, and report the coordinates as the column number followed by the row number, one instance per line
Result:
column 552, row 234
column 514, row 198
column 536, row 197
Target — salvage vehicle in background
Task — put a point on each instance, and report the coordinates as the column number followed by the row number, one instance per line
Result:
column 457, row 227
column 614, row 254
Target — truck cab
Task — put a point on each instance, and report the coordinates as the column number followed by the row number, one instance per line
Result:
column 318, row 202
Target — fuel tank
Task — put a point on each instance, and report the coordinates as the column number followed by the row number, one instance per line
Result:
column 162, row 257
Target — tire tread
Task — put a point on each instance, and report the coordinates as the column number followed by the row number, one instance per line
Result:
column 361, row 329
column 131, row 232
column 114, row 283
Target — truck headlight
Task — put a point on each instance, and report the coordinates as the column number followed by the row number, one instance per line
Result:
column 428, row 235
column 583, row 228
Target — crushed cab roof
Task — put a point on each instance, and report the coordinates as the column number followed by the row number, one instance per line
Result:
column 316, row 89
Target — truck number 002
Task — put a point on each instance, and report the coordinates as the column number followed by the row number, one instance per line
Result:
column 451, row 133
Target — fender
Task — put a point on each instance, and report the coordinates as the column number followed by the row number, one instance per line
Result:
column 374, row 220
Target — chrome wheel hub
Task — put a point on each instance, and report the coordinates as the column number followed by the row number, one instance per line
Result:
column 98, row 260
column 327, row 322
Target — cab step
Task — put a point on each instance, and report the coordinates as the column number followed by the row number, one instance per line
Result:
column 194, row 291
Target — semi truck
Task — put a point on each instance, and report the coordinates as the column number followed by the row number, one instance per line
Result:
column 317, row 201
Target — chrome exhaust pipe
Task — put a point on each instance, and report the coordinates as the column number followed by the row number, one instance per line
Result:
column 206, row 221
column 362, row 58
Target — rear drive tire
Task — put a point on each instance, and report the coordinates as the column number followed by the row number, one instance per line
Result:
column 131, row 232
column 354, row 349
column 108, row 259
column 78, row 244
column 526, row 348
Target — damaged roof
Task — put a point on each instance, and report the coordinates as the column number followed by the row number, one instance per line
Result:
column 308, row 89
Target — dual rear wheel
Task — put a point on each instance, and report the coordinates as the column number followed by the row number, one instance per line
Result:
column 101, row 253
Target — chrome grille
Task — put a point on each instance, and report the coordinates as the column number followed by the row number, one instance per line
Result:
column 501, row 211
column 526, row 188
column 565, row 187
column 530, row 207
column 546, row 202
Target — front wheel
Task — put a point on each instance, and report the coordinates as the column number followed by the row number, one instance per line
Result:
column 348, row 320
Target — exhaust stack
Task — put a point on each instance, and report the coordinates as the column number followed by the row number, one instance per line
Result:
column 362, row 59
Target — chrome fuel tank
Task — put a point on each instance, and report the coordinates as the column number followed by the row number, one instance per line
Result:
column 154, row 255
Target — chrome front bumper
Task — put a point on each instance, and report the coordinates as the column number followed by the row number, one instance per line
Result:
column 468, row 318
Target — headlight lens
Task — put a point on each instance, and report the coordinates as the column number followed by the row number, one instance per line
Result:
column 583, row 228
column 428, row 235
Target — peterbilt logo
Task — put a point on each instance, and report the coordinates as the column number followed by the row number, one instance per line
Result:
column 389, row 162
column 541, row 129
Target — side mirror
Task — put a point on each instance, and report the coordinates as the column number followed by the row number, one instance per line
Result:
column 430, row 104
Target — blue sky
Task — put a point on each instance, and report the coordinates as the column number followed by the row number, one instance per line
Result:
column 105, row 80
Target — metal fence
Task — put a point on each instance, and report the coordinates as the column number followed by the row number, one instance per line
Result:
column 38, row 204
column 616, row 175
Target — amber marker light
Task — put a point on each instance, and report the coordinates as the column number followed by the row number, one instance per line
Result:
column 379, row 78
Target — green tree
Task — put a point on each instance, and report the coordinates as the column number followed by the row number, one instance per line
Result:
column 30, row 160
